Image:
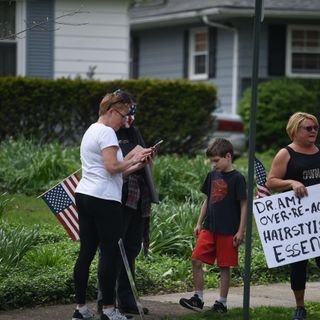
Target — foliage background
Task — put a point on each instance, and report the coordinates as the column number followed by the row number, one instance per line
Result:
column 37, row 253
column 277, row 101
column 51, row 110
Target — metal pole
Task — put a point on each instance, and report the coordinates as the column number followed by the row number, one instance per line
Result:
column 252, row 147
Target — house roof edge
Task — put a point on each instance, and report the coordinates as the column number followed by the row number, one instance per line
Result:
column 217, row 13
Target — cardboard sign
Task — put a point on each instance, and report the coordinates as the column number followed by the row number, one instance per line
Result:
column 289, row 227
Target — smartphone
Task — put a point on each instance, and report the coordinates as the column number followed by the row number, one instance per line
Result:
column 157, row 145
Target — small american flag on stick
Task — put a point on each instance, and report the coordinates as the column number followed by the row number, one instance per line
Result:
column 261, row 178
column 60, row 200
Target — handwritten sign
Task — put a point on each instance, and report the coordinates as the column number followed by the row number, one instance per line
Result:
column 289, row 227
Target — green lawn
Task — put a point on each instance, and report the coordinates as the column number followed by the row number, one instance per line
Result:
column 28, row 210
column 261, row 313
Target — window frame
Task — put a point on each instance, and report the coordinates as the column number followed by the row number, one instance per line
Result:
column 192, row 54
column 289, row 51
column 20, row 41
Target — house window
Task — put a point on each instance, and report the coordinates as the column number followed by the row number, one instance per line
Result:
column 12, row 47
column 198, row 58
column 303, row 51
column 8, row 44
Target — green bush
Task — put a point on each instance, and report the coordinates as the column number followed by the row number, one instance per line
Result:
column 4, row 201
column 178, row 177
column 277, row 101
column 43, row 272
column 177, row 111
column 15, row 242
column 30, row 167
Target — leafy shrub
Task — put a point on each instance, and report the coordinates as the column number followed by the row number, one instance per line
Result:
column 3, row 204
column 51, row 234
column 162, row 274
column 177, row 111
column 15, row 243
column 44, row 271
column 277, row 101
column 180, row 219
column 48, row 279
column 178, row 177
column 30, row 167
column 44, row 257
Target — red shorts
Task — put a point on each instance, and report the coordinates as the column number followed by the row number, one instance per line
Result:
column 211, row 246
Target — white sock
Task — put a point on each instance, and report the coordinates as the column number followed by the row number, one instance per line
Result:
column 82, row 309
column 223, row 300
column 199, row 294
column 107, row 311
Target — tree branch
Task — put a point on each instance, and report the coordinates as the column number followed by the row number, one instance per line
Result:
column 43, row 24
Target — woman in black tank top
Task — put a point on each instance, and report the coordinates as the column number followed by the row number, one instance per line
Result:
column 296, row 167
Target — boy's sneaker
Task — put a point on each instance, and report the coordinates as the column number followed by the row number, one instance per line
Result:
column 85, row 315
column 115, row 314
column 300, row 314
column 219, row 307
column 194, row 303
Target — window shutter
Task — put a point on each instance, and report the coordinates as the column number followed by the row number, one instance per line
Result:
column 186, row 54
column 212, row 51
column 8, row 55
column 276, row 50
column 135, row 57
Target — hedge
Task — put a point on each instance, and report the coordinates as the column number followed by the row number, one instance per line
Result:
column 179, row 112
column 277, row 101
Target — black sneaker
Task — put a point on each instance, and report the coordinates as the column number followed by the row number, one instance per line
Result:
column 300, row 314
column 87, row 315
column 219, row 307
column 194, row 303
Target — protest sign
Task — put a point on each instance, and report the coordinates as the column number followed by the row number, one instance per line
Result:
column 289, row 227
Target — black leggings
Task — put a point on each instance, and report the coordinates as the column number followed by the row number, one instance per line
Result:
column 100, row 223
column 298, row 275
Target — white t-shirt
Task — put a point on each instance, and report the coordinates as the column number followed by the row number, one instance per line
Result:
column 96, row 180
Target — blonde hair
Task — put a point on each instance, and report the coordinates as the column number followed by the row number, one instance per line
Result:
column 110, row 100
column 295, row 121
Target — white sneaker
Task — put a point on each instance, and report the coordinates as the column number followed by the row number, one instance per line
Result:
column 115, row 314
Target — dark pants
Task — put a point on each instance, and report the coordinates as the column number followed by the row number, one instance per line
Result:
column 100, row 224
column 298, row 275
column 132, row 238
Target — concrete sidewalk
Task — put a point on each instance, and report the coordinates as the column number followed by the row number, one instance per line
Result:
column 168, row 304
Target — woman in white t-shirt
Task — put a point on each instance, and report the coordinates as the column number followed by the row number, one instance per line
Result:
column 98, row 198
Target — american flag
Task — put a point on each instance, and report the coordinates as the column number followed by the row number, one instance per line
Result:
column 60, row 199
column 261, row 178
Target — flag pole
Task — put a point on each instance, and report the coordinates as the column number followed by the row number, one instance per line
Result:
column 58, row 183
column 252, row 142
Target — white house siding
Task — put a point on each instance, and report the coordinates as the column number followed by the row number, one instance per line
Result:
column 246, row 49
column 102, row 40
column 161, row 53
column 224, row 60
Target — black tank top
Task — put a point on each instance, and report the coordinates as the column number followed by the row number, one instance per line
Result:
column 304, row 168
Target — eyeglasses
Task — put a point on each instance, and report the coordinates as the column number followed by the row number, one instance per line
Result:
column 123, row 116
column 309, row 128
column 125, row 99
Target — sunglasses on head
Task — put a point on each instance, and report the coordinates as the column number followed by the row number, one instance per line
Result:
column 125, row 99
column 310, row 128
